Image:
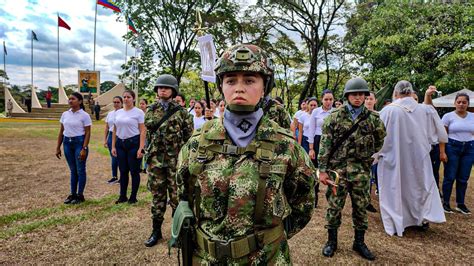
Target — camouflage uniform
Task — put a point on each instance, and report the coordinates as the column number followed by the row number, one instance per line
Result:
column 352, row 161
column 162, row 151
column 228, row 184
column 278, row 114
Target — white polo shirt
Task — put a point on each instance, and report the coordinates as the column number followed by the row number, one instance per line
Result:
column 74, row 122
column 198, row 122
column 127, row 122
column 110, row 120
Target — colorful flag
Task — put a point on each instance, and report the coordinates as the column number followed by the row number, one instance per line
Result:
column 131, row 26
column 33, row 36
column 109, row 4
column 62, row 23
column 4, row 48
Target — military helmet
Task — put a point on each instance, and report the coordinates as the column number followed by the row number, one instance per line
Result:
column 356, row 85
column 248, row 58
column 166, row 80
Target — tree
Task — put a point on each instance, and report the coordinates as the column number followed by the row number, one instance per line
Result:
column 106, row 86
column 428, row 44
column 313, row 21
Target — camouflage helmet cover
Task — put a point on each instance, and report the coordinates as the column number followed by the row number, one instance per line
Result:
column 248, row 58
column 356, row 85
column 169, row 81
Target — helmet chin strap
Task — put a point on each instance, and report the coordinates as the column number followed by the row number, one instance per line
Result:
column 244, row 109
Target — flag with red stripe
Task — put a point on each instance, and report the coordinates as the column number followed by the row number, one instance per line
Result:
column 62, row 23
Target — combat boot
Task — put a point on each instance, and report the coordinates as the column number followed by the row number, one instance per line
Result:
column 155, row 234
column 331, row 246
column 360, row 246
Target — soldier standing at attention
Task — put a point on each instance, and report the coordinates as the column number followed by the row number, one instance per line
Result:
column 351, row 135
column 169, row 126
column 246, row 178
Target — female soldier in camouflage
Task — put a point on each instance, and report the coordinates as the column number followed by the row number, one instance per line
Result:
column 246, row 178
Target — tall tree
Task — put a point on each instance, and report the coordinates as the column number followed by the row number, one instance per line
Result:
column 428, row 44
column 167, row 28
column 313, row 21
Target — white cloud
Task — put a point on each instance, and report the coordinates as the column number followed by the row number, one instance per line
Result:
column 19, row 17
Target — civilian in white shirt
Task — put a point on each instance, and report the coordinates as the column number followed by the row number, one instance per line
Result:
column 221, row 107
column 198, row 119
column 75, row 134
column 303, row 124
column 316, row 124
column 128, row 142
column 109, row 130
column 459, row 151
column 294, row 124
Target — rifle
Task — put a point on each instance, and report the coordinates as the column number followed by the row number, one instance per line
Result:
column 182, row 233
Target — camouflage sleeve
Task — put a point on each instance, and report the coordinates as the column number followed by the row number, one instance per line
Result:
column 150, row 121
column 182, row 172
column 188, row 127
column 380, row 134
column 285, row 118
column 299, row 191
column 325, row 144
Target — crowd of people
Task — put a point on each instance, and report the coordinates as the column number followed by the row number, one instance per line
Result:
column 249, row 172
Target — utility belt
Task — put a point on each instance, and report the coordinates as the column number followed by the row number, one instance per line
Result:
column 234, row 249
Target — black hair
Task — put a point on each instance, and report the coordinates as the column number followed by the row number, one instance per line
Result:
column 120, row 98
column 182, row 96
column 80, row 98
column 326, row 91
column 145, row 100
column 312, row 99
column 132, row 93
column 202, row 107
column 462, row 94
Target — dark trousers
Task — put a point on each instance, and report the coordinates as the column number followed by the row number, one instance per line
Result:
column 48, row 103
column 114, row 159
column 435, row 162
column 72, row 149
column 127, row 161
column 460, row 160
column 97, row 116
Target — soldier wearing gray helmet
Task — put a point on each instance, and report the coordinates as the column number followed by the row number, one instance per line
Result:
column 169, row 126
column 351, row 135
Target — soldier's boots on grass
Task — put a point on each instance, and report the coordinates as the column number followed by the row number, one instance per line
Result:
column 155, row 234
column 360, row 247
column 331, row 246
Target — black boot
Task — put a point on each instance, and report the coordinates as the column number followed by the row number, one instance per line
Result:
column 331, row 246
column 156, row 234
column 360, row 246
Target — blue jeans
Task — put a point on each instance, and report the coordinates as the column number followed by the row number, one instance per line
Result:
column 460, row 160
column 435, row 162
column 72, row 149
column 127, row 160
column 305, row 143
column 114, row 159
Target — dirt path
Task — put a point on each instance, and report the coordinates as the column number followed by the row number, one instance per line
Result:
column 37, row 228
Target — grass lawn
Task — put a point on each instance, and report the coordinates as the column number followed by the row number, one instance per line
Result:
column 37, row 228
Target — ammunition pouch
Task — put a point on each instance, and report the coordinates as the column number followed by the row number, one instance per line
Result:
column 238, row 248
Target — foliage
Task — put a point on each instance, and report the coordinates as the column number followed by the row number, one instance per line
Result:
column 423, row 43
column 106, row 86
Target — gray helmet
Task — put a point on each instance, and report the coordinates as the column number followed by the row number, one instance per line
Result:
column 169, row 81
column 356, row 85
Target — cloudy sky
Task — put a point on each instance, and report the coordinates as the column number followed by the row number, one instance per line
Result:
column 19, row 17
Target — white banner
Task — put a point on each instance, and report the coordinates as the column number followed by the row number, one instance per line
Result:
column 208, row 57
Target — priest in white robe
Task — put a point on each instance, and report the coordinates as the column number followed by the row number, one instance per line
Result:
column 407, row 189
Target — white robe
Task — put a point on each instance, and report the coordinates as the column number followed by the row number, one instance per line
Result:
column 407, row 189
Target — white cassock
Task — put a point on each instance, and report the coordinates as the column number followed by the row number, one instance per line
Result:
column 407, row 189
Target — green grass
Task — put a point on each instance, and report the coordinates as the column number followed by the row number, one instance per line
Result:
column 39, row 220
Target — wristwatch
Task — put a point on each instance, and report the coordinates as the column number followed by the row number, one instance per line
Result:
column 85, row 148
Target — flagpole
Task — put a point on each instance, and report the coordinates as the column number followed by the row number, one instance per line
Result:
column 95, row 29
column 59, row 68
column 4, row 63
column 32, row 65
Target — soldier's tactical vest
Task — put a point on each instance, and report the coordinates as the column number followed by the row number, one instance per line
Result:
column 264, row 154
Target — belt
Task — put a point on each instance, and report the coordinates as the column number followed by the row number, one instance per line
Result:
column 220, row 249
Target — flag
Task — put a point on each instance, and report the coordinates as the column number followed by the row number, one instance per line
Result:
column 109, row 4
column 62, row 23
column 33, row 36
column 4, row 48
column 131, row 26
